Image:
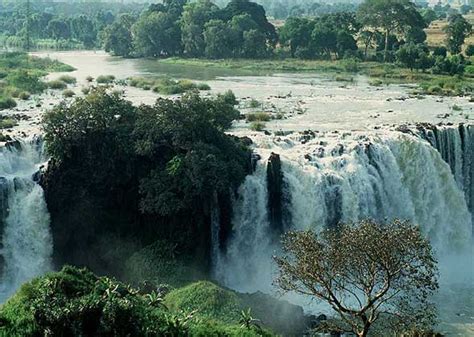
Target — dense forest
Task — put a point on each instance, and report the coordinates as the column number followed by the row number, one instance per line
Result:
column 242, row 29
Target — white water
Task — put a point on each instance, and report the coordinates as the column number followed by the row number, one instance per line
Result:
column 27, row 242
column 383, row 176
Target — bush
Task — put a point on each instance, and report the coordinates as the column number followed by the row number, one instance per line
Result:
column 57, row 85
column 350, row 65
column 24, row 95
column 7, row 103
column 89, row 79
column 68, row 93
column 254, row 103
column 257, row 126
column 258, row 117
column 85, row 90
column 67, row 79
column 26, row 81
column 203, row 87
column 7, row 122
column 470, row 50
column 75, row 302
column 105, row 79
column 440, row 51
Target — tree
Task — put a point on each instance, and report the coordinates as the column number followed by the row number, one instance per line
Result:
column 429, row 15
column 391, row 16
column 370, row 274
column 157, row 34
column 117, row 37
column 470, row 50
column 414, row 56
column 457, row 30
column 59, row 29
column 83, row 29
column 256, row 12
column 296, row 33
column 218, row 39
column 193, row 20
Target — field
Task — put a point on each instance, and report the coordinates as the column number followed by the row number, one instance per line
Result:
column 436, row 36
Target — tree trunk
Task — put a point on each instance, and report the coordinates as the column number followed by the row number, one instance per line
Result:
column 385, row 54
column 367, row 324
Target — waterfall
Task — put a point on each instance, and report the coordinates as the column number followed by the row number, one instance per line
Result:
column 25, row 225
column 456, row 146
column 334, row 178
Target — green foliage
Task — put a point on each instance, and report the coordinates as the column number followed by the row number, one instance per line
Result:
column 395, row 259
column 7, row 103
column 68, row 93
column 24, row 95
column 67, row 79
column 414, row 56
column 457, row 30
column 75, row 302
column 470, row 50
column 117, row 37
column 105, row 79
column 257, row 117
column 161, row 263
column 392, row 17
column 257, row 126
column 56, row 85
column 165, row 163
column 25, row 80
column 7, row 122
column 211, row 301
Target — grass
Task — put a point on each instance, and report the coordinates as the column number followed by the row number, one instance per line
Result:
column 379, row 73
column 7, row 103
column 258, row 117
column 7, row 122
column 57, row 85
column 167, row 86
column 105, row 79
column 67, row 79
column 22, row 75
column 68, row 93
column 257, row 126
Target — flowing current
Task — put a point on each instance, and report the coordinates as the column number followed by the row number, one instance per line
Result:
column 423, row 174
column 25, row 224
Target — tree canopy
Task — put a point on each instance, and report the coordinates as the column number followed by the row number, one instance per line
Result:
column 373, row 275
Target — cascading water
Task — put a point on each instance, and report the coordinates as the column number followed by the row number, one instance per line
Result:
column 332, row 178
column 25, row 225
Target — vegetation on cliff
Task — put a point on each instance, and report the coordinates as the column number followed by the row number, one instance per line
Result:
column 120, row 173
column 75, row 302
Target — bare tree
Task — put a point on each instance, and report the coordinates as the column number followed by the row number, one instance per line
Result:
column 367, row 272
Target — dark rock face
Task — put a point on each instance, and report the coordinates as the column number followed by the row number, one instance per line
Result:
column 275, row 192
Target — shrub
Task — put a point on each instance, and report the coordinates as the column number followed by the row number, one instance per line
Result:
column 68, row 93
column 89, row 79
column 24, row 95
column 440, row 51
column 85, row 90
column 254, row 103
column 203, row 87
column 57, row 85
column 7, row 122
column 7, row 103
column 105, row 79
column 350, row 65
column 258, row 117
column 470, row 50
column 257, row 126
column 67, row 79
column 26, row 81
